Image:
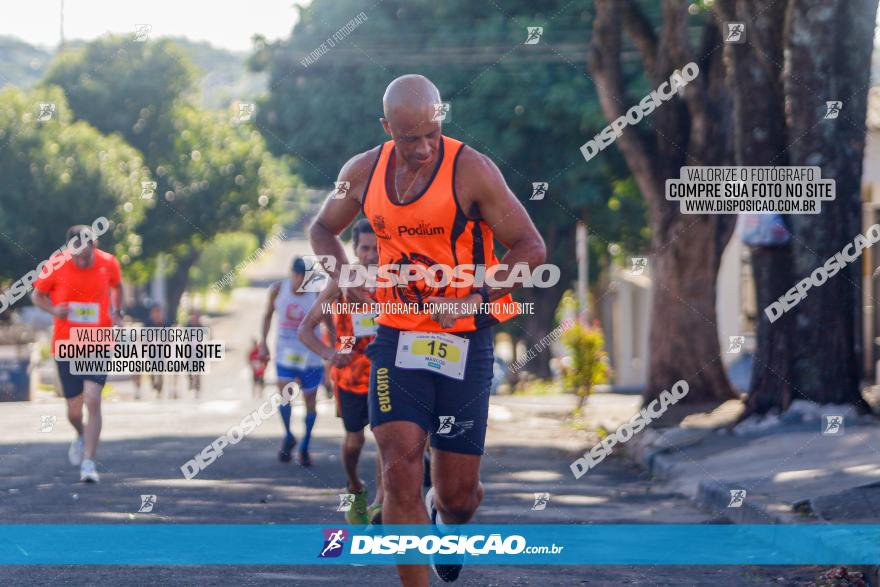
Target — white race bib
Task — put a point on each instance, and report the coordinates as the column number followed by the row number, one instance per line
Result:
column 434, row 351
column 364, row 325
column 83, row 313
column 292, row 357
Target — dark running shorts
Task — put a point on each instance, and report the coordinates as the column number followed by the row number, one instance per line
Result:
column 454, row 412
column 352, row 408
column 72, row 385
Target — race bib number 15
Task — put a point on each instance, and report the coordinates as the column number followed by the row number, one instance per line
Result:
column 434, row 351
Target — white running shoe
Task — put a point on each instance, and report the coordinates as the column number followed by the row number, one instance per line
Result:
column 88, row 473
column 75, row 452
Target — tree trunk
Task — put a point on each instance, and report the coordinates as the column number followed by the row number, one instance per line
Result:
column 798, row 56
column 686, row 250
column 539, row 325
column 770, row 386
column 755, row 68
column 684, row 338
column 545, row 301
column 179, row 280
column 828, row 57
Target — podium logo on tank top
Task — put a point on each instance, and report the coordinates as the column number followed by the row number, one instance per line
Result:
column 423, row 229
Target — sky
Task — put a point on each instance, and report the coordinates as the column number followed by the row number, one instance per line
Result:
column 223, row 23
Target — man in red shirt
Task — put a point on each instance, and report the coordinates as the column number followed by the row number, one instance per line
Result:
column 84, row 291
column 258, row 368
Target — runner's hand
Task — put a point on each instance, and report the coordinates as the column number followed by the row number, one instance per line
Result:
column 60, row 310
column 454, row 309
column 340, row 360
column 264, row 351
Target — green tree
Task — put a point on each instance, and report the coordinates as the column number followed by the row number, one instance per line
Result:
column 220, row 257
column 223, row 179
column 691, row 129
column 126, row 87
column 213, row 173
column 57, row 173
column 528, row 107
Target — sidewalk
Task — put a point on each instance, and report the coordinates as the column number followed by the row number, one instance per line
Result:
column 790, row 470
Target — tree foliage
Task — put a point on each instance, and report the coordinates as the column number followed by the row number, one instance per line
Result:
column 126, row 87
column 213, row 172
column 220, row 257
column 57, row 173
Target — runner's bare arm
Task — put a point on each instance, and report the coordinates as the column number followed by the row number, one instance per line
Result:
column 331, row 328
column 315, row 316
column 267, row 318
column 484, row 193
column 116, row 308
column 44, row 302
column 337, row 213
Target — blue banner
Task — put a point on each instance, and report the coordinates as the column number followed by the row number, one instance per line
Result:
column 529, row 544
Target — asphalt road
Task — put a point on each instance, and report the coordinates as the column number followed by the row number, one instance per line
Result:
column 145, row 442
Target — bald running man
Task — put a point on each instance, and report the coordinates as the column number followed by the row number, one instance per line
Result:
column 430, row 200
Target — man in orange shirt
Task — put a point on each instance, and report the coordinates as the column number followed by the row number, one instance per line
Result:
column 84, row 291
column 350, row 372
column 433, row 202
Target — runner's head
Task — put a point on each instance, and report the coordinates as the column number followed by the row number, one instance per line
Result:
column 411, row 105
column 81, row 243
column 157, row 314
column 363, row 239
column 297, row 272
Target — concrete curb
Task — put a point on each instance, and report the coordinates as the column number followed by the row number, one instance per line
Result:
column 640, row 448
column 654, row 460
column 712, row 495
column 715, row 496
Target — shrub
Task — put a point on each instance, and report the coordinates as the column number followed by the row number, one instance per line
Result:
column 589, row 361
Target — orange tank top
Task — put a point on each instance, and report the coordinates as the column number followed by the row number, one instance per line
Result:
column 354, row 377
column 430, row 230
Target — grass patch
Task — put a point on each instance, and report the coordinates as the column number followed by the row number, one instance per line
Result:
column 541, row 387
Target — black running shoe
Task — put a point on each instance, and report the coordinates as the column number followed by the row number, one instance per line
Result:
column 446, row 572
column 286, row 448
column 304, row 459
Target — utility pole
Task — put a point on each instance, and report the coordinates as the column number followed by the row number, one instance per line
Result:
column 583, row 261
column 61, row 45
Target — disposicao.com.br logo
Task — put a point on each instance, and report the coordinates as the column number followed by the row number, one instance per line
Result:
column 430, row 544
